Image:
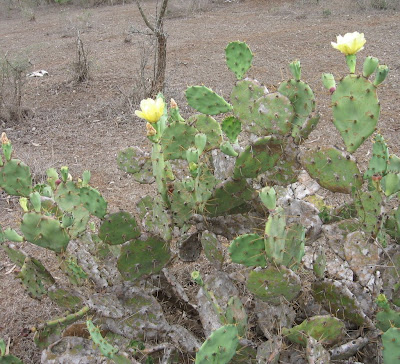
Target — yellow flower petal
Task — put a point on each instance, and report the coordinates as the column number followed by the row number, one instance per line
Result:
column 152, row 110
column 350, row 43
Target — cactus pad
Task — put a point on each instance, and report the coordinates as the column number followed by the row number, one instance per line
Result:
column 355, row 110
column 118, row 228
column 142, row 257
column 220, row 347
column 327, row 330
column 44, row 231
column 206, row 101
column 210, row 127
column 339, row 300
column 249, row 250
column 391, row 345
column 236, row 315
column 332, row 169
column 228, row 196
column 379, row 159
column 212, row 248
column 238, row 58
column 177, row 138
column 272, row 284
column 232, row 127
column 258, row 157
column 15, row 178
column 136, row 162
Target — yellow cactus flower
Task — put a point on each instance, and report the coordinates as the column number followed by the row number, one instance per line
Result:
column 350, row 43
column 152, row 110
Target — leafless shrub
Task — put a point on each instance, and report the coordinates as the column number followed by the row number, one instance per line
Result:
column 12, row 81
column 81, row 66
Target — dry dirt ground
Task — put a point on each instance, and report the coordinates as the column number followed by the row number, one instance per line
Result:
column 85, row 125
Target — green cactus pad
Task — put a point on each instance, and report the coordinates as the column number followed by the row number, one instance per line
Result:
column 249, row 250
column 386, row 318
column 44, row 231
column 300, row 134
column 212, row 248
column 206, row 101
column 294, row 246
column 64, row 298
column 236, row 315
column 272, row 114
column 238, row 58
column 105, row 347
column 143, row 257
column 118, row 228
column 379, row 159
column 368, row 207
column 391, row 183
column 155, row 219
column 272, row 284
column 35, row 277
column 327, row 330
column 355, row 110
column 16, row 178
column 183, row 204
column 391, row 346
column 67, row 195
column 220, row 347
column 204, row 184
column 93, row 201
column 80, row 219
column 337, row 299
column 258, row 157
column 177, row 139
column 210, row 127
column 393, row 164
column 232, row 127
column 10, row 359
column 15, row 255
column 137, row 163
column 332, row 169
column 75, row 273
column 302, row 98
column 243, row 97
column 227, row 196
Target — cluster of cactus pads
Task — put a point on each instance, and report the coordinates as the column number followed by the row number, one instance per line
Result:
column 221, row 172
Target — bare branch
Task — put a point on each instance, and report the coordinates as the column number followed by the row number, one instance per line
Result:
column 161, row 15
column 144, row 16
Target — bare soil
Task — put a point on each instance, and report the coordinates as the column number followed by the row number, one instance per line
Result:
column 85, row 125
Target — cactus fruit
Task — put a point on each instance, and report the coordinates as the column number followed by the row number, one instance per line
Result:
column 249, row 250
column 220, row 347
column 206, row 101
column 142, row 257
column 238, row 58
column 231, row 127
column 332, row 169
column 326, row 329
column 44, row 231
column 369, row 66
column 391, row 346
column 272, row 284
column 356, row 110
column 118, row 228
column 16, row 178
